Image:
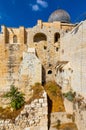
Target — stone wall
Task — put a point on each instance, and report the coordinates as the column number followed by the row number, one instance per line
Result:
column 80, row 112
column 11, row 54
column 34, row 116
column 59, row 116
column 47, row 50
column 73, row 49
column 80, row 119
column 75, row 112
column 30, row 71
column 62, row 60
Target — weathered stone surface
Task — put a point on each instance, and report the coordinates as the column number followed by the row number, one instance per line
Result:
column 47, row 52
column 31, row 117
column 41, row 38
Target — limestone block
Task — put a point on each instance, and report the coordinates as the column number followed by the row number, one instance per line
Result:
column 32, row 105
column 44, row 104
column 36, row 101
column 31, row 122
column 41, row 101
column 38, row 105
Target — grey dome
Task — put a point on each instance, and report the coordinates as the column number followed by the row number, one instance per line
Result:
column 59, row 15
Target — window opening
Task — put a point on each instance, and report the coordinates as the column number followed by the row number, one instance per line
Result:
column 57, row 48
column 56, row 37
column 45, row 47
column 14, row 39
column 50, row 72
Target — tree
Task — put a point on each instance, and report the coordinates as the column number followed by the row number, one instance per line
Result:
column 16, row 98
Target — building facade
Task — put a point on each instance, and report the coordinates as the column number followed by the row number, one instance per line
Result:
column 50, row 51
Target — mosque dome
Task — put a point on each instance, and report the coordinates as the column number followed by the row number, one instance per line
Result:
column 59, row 15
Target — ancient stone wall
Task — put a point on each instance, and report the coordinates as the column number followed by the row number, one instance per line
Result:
column 60, row 56
column 70, row 47
column 11, row 55
column 34, row 116
column 44, row 37
column 80, row 112
column 46, row 49
column 59, row 116
column 30, row 70
column 75, row 112
column 80, row 118
column 73, row 49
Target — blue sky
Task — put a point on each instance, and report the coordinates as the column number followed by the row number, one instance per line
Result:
column 15, row 13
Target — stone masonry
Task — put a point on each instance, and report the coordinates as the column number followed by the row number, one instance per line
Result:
column 50, row 51
column 60, row 48
column 30, row 67
column 34, row 116
column 15, row 42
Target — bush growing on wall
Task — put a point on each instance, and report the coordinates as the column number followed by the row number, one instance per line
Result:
column 69, row 95
column 16, row 97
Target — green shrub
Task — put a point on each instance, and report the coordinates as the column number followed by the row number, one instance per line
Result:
column 69, row 95
column 16, row 97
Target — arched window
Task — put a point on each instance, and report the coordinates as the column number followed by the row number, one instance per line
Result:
column 39, row 37
column 56, row 37
column 14, row 39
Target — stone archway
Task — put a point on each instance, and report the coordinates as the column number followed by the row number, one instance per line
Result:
column 40, row 37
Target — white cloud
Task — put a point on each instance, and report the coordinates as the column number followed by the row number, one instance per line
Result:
column 35, row 7
column 42, row 3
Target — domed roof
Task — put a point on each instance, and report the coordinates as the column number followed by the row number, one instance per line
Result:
column 59, row 15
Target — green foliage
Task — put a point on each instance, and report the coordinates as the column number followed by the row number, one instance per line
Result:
column 69, row 95
column 16, row 97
